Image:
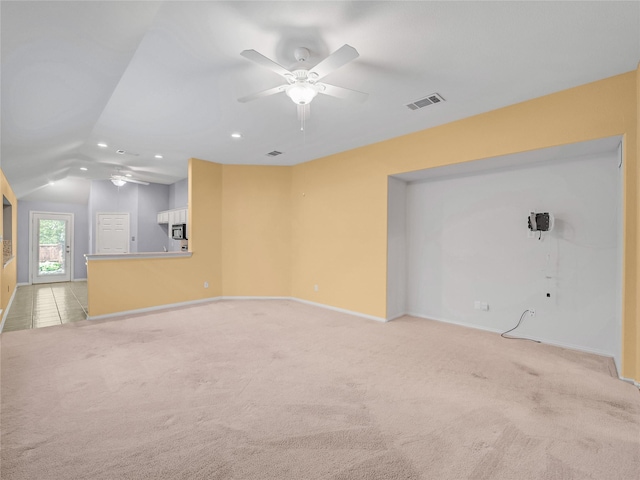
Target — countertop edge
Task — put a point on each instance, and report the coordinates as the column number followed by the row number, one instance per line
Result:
column 134, row 256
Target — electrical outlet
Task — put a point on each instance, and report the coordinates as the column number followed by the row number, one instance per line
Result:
column 206, row 284
column 315, row 288
column 532, row 312
column 478, row 305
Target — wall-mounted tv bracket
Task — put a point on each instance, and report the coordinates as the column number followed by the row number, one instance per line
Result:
column 541, row 222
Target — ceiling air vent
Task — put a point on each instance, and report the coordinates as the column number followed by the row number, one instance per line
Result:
column 426, row 101
column 275, row 153
column 123, row 152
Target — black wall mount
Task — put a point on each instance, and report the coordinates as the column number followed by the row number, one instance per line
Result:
column 539, row 222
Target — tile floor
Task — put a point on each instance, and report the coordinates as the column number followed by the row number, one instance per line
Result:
column 48, row 304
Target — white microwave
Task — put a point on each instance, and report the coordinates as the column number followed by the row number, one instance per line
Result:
column 179, row 231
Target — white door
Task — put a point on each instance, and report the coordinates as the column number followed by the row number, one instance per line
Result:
column 51, row 247
column 112, row 233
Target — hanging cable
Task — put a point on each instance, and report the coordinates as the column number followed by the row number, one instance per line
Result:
column 504, row 334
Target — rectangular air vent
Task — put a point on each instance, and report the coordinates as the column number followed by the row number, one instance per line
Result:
column 275, row 153
column 426, row 101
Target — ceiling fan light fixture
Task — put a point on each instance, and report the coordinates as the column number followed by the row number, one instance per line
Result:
column 118, row 182
column 301, row 93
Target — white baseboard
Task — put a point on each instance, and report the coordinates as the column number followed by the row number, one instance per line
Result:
column 153, row 309
column 524, row 337
column 315, row 304
column 631, row 381
column 214, row 299
column 546, row 341
column 227, row 297
column 393, row 317
column 454, row 322
column 26, row 284
column 341, row 310
column 6, row 310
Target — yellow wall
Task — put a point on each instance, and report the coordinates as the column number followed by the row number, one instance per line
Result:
column 339, row 215
column 9, row 274
column 335, row 210
column 631, row 348
column 339, row 231
column 122, row 285
column 239, row 223
column 256, row 226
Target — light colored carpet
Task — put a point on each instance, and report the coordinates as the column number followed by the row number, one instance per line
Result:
column 283, row 390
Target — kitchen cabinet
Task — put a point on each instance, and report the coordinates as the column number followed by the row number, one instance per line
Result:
column 177, row 216
column 172, row 217
column 163, row 217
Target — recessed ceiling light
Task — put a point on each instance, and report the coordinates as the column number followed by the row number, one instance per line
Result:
column 158, row 156
column 51, row 183
column 236, row 135
column 127, row 175
column 84, row 169
column 102, row 145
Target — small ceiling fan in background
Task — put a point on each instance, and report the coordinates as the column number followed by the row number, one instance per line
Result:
column 119, row 179
column 304, row 84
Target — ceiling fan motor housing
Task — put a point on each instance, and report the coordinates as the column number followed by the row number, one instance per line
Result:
column 301, row 54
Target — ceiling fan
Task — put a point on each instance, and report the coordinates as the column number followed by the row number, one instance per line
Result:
column 118, row 179
column 304, row 84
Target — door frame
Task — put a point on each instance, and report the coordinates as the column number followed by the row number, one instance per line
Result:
column 32, row 246
column 97, row 247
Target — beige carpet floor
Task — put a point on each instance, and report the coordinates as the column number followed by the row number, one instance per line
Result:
column 283, row 390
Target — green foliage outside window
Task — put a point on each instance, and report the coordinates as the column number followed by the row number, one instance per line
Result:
column 52, row 232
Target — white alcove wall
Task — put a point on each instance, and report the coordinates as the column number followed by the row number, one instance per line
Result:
column 463, row 232
column 396, row 248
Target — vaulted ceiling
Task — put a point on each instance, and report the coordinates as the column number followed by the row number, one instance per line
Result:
column 163, row 78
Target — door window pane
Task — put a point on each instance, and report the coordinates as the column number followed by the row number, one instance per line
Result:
column 52, row 246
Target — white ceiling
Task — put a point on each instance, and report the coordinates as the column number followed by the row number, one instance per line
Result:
column 164, row 77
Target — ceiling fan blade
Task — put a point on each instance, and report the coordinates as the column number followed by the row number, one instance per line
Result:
column 344, row 93
column 265, row 62
column 264, row 93
column 340, row 57
column 124, row 178
column 131, row 180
